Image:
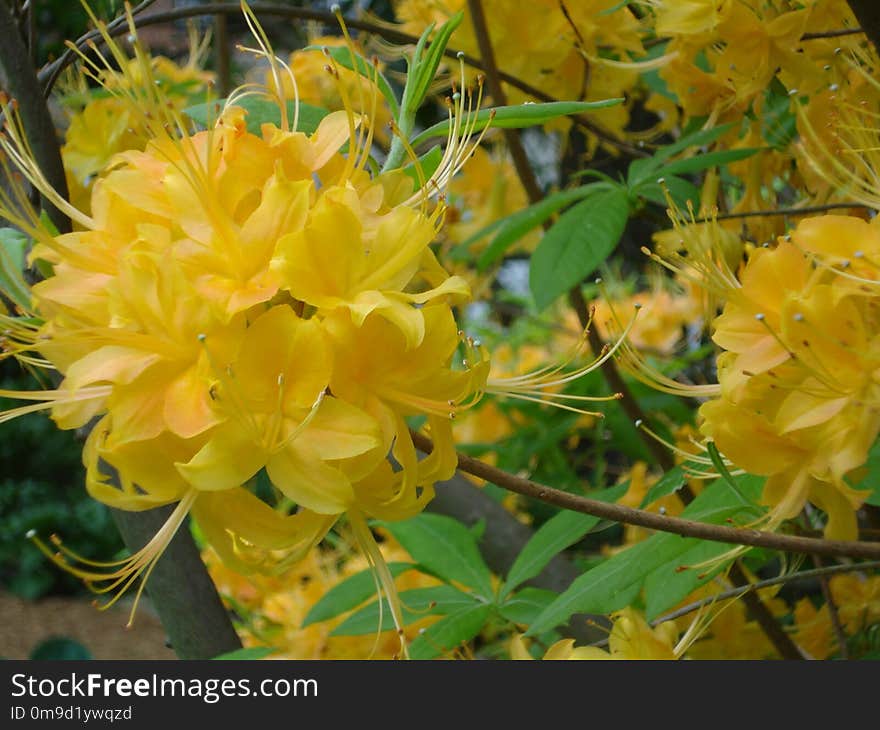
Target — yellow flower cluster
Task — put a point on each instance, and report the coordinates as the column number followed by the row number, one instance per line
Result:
column 237, row 302
column 105, row 125
column 798, row 371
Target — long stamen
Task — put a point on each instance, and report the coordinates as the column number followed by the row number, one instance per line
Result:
column 122, row 573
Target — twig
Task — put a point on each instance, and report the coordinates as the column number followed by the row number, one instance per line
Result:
column 833, row 613
column 511, row 136
column 772, row 629
column 651, row 520
column 737, row 592
column 221, row 54
column 806, row 210
column 837, row 33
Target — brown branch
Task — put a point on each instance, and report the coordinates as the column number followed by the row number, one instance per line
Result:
column 755, row 607
column 49, row 73
column 837, row 33
column 806, row 210
column 511, row 136
column 833, row 613
column 677, row 525
column 221, row 54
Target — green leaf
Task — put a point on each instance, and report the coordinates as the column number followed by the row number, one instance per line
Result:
column 446, row 548
column 555, row 535
column 448, row 633
column 710, row 159
column 253, row 652
column 416, row 603
column 670, row 583
column 425, row 67
column 13, row 248
column 526, row 605
column 618, row 581
column 680, row 190
column 349, row 594
column 260, row 111
column 721, row 468
column 60, row 647
column 643, row 170
column 518, row 116
column 356, row 62
column 515, row 226
column 578, row 242
column 670, row 482
column 778, row 122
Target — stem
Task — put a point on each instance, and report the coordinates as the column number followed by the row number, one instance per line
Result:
column 221, row 54
column 806, row 210
column 651, row 520
column 18, row 79
column 833, row 613
column 511, row 136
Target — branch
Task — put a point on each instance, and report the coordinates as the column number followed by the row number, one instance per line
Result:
column 805, row 210
column 511, row 136
column 653, row 521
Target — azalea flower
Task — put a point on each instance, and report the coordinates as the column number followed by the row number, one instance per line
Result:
column 233, row 303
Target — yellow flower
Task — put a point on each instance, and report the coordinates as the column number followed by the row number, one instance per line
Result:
column 631, row 638
column 857, row 599
column 799, row 336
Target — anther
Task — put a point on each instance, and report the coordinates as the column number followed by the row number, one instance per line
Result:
column 859, row 254
column 792, row 92
column 759, row 316
column 638, row 423
column 460, row 54
column 201, row 337
column 798, row 317
column 30, row 534
column 833, row 87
